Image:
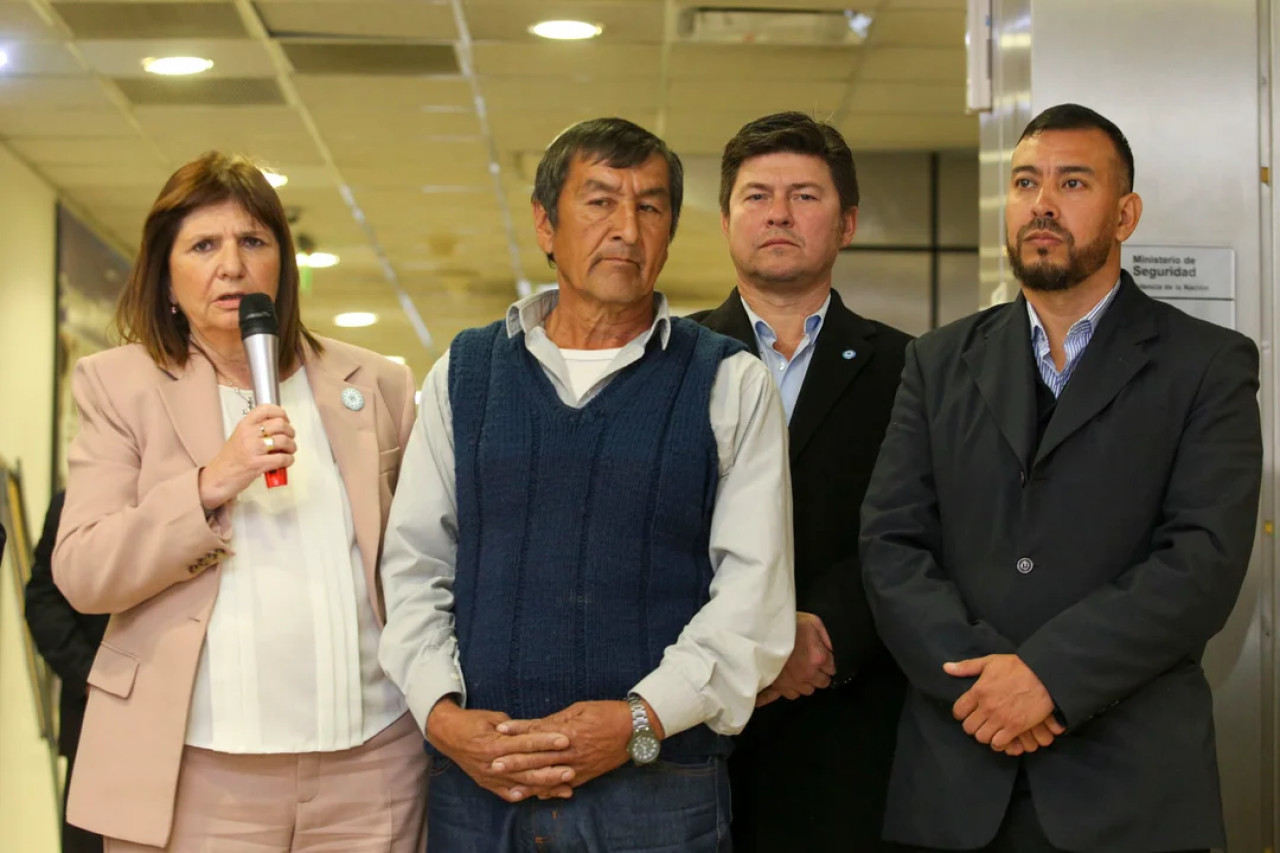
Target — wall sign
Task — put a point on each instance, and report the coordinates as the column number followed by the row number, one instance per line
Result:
column 1200, row 280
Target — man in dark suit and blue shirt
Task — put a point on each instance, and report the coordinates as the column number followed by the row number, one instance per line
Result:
column 810, row 770
column 1061, row 517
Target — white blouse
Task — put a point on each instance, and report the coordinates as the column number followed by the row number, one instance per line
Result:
column 290, row 659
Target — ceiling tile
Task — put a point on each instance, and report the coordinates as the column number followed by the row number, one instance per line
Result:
column 107, row 20
column 366, row 19
column 51, row 92
column 102, row 121
column 584, row 59
column 76, row 175
column 957, row 5
column 20, row 22
column 597, row 97
column 470, row 170
column 214, row 127
column 533, row 131
column 390, row 93
column 920, row 132
column 763, row 96
column 410, row 124
column 918, row 28
column 204, row 92
column 906, row 64
column 377, row 59
column 126, row 150
column 727, row 64
column 907, row 98
column 395, row 152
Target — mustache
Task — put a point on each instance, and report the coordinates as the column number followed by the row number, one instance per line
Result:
column 1042, row 223
column 780, row 234
column 634, row 257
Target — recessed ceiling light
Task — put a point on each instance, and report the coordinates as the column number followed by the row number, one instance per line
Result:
column 172, row 66
column 4, row 59
column 317, row 260
column 355, row 319
column 566, row 30
column 859, row 22
column 276, row 179
column 398, row 359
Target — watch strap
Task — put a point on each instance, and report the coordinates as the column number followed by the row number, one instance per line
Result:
column 639, row 715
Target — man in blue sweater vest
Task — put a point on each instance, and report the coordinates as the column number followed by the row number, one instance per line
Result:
column 588, row 563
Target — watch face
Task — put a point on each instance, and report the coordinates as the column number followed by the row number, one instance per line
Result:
column 643, row 747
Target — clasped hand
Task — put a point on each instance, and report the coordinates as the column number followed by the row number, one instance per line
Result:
column 546, row 757
column 1008, row 707
column 810, row 667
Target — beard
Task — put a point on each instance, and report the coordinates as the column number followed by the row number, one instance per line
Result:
column 1044, row 275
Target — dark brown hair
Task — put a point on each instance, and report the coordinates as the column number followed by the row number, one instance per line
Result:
column 1076, row 117
column 143, row 313
column 790, row 133
column 616, row 142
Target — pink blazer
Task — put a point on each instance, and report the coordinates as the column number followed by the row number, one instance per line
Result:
column 134, row 542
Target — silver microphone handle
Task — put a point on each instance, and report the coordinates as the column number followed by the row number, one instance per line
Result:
column 262, row 351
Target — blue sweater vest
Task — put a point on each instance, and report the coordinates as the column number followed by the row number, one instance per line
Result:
column 582, row 533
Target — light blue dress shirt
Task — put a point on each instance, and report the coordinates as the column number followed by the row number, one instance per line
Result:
column 788, row 373
column 1078, row 337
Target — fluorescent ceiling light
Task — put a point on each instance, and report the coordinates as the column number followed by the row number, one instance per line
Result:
column 276, row 179
column 355, row 319
column 398, row 359
column 317, row 260
column 780, row 26
column 566, row 30
column 177, row 65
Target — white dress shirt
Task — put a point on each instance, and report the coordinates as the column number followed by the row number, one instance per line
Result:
column 731, row 649
column 290, row 659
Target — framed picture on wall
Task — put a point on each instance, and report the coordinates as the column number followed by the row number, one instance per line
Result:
column 16, row 563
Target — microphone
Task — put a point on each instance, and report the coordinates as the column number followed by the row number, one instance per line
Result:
column 259, row 331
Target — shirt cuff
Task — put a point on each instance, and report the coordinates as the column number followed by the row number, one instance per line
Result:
column 676, row 703
column 439, row 678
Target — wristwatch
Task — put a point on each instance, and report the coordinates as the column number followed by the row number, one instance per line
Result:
column 644, row 746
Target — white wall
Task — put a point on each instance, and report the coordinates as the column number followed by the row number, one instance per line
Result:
column 28, row 804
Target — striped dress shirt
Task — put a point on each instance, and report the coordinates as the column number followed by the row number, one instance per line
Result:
column 1078, row 337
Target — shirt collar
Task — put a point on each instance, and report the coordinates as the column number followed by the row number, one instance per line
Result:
column 1091, row 319
column 531, row 312
column 812, row 323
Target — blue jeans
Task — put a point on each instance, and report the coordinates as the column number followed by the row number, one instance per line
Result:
column 662, row 808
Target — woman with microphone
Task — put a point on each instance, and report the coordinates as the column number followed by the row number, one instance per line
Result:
column 236, row 702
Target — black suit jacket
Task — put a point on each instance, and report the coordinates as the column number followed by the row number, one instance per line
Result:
column 67, row 640
column 811, row 774
column 1106, row 558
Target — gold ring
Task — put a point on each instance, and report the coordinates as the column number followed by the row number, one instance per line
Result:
column 269, row 442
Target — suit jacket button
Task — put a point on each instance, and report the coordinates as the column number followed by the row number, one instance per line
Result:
column 1025, row 565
